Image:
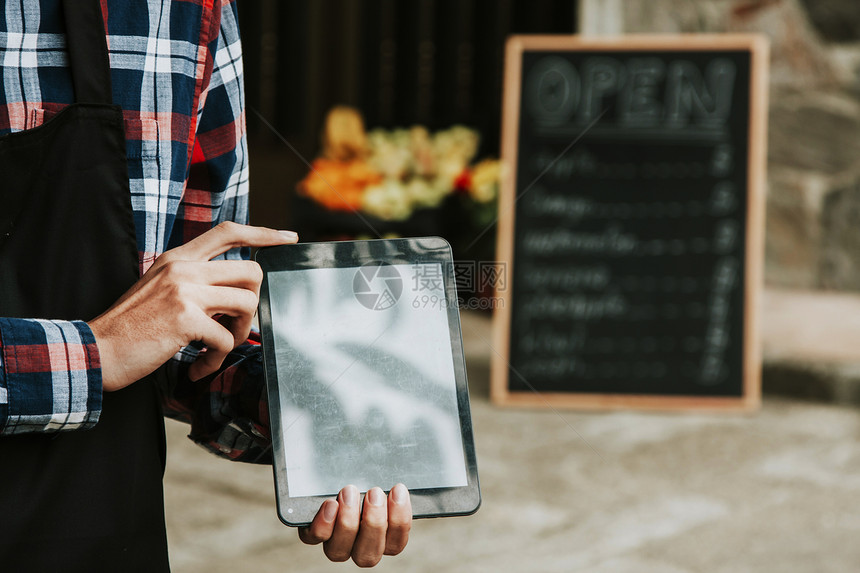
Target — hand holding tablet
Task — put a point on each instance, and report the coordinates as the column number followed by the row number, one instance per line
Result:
column 366, row 533
column 366, row 376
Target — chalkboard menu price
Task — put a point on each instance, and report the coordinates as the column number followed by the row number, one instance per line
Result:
column 632, row 223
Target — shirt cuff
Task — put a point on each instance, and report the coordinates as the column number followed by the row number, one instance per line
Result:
column 50, row 376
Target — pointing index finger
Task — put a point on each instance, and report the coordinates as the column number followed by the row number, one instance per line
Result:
column 229, row 235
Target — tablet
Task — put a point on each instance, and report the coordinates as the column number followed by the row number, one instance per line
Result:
column 365, row 375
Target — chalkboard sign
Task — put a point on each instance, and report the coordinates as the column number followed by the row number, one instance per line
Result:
column 631, row 226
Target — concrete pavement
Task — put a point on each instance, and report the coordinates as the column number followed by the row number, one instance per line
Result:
column 563, row 491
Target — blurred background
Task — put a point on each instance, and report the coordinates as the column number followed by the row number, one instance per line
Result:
column 434, row 63
column 565, row 491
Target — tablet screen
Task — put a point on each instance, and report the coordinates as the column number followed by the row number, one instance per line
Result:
column 367, row 389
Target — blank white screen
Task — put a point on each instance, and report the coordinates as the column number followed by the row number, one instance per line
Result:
column 368, row 396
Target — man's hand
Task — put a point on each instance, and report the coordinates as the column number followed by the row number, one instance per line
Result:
column 184, row 297
column 365, row 534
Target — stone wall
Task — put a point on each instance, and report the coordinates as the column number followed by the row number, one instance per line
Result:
column 813, row 217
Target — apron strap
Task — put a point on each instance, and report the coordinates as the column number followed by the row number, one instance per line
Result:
column 88, row 53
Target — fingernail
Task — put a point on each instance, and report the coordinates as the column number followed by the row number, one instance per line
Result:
column 350, row 495
column 399, row 494
column 289, row 234
column 375, row 496
column 329, row 510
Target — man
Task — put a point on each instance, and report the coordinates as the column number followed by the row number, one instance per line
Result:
column 139, row 235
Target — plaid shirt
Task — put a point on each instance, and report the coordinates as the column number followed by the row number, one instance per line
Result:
column 176, row 70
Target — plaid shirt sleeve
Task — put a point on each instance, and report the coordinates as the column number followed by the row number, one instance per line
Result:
column 227, row 411
column 180, row 87
column 50, row 376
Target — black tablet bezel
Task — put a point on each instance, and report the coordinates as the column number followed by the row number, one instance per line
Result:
column 451, row 501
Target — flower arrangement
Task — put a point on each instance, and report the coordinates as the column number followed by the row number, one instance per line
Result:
column 392, row 174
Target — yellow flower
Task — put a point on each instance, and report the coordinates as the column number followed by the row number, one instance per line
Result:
column 457, row 143
column 423, row 154
column 387, row 200
column 486, row 176
column 389, row 154
column 426, row 193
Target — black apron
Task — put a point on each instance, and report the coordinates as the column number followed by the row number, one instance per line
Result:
column 87, row 500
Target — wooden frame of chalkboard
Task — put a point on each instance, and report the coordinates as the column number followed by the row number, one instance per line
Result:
column 631, row 222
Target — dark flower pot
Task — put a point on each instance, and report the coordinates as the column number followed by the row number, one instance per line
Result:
column 313, row 222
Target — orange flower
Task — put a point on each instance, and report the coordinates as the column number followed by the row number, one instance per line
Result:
column 338, row 185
